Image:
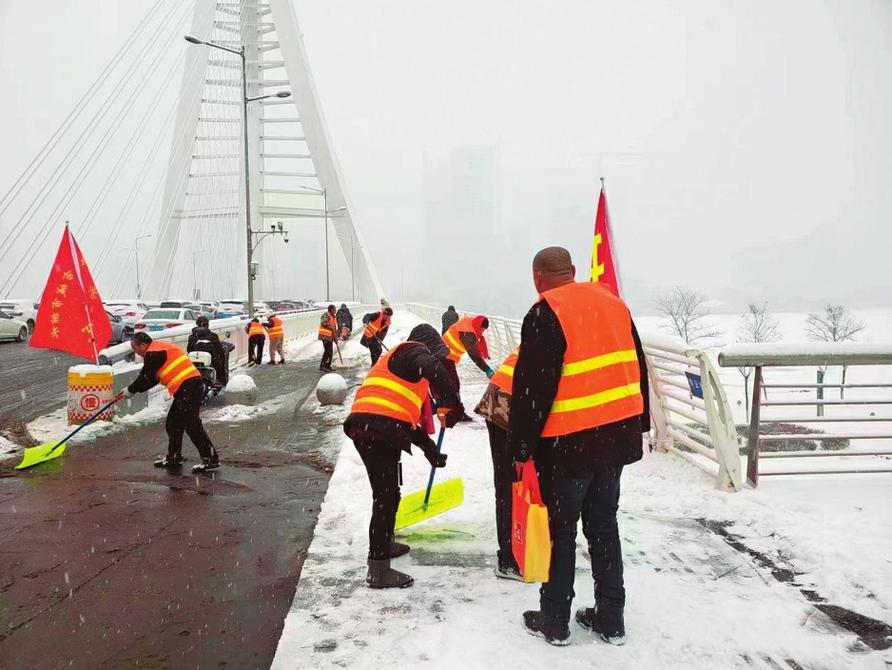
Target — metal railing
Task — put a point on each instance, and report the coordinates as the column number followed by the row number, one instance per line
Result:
column 690, row 414
column 502, row 337
column 787, row 404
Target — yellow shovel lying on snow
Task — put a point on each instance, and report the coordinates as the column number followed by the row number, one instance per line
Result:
column 426, row 503
column 50, row 450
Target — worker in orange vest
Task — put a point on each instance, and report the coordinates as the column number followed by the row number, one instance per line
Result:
column 375, row 331
column 466, row 336
column 167, row 364
column 276, row 330
column 578, row 409
column 495, row 406
column 328, row 328
column 385, row 421
column 256, row 339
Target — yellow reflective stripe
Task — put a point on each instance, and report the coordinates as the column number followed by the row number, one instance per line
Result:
column 393, row 386
column 185, row 372
column 455, row 346
column 170, row 366
column 598, row 362
column 589, row 401
column 383, row 403
column 506, row 370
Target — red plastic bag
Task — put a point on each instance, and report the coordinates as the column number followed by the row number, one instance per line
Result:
column 530, row 537
column 427, row 416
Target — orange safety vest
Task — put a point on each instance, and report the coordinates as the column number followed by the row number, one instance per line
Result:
column 176, row 369
column 276, row 332
column 328, row 327
column 373, row 326
column 504, row 376
column 385, row 394
column 600, row 379
column 255, row 328
column 452, row 338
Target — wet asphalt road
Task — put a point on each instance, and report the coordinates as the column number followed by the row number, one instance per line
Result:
column 107, row 562
column 32, row 382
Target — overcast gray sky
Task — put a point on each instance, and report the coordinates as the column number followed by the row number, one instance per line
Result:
column 746, row 144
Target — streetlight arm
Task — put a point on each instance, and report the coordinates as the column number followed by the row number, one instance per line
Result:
column 195, row 40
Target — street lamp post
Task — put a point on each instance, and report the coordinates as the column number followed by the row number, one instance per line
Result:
column 195, row 273
column 326, row 213
column 136, row 254
column 240, row 52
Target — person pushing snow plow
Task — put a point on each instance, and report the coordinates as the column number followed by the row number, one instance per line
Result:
column 384, row 421
column 167, row 364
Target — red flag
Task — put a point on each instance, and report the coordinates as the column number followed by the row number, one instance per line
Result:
column 71, row 316
column 604, row 267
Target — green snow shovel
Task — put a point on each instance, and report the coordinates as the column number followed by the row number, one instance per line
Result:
column 426, row 503
column 50, row 450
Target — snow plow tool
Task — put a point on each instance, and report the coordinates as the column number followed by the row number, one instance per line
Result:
column 50, row 450
column 432, row 501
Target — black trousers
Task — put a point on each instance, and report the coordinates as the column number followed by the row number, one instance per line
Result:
column 326, row 354
column 255, row 348
column 596, row 499
column 375, row 349
column 182, row 417
column 504, row 476
column 381, row 460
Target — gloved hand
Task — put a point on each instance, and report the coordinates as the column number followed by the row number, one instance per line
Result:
column 490, row 373
column 436, row 460
column 448, row 417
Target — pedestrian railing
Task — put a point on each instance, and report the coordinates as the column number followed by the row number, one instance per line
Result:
column 503, row 334
column 690, row 414
column 789, row 412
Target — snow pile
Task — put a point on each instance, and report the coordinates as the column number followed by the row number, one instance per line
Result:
column 54, row 425
column 8, row 447
column 331, row 389
column 691, row 597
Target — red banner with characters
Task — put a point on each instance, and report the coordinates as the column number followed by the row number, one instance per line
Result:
column 71, row 317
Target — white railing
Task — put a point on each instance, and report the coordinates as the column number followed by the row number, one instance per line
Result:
column 690, row 414
column 698, row 429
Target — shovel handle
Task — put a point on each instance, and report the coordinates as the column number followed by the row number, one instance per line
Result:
column 85, row 423
column 430, row 481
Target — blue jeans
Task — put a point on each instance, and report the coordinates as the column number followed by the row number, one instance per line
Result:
column 596, row 499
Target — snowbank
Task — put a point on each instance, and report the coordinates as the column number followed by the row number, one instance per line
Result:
column 691, row 597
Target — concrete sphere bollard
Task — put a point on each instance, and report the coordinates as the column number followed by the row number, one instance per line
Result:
column 241, row 390
column 331, row 389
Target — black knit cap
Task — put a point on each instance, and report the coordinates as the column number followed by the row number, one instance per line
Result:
column 429, row 337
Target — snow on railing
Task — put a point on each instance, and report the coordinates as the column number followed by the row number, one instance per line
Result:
column 792, row 393
column 690, row 414
column 699, row 429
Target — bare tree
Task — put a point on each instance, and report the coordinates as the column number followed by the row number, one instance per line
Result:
column 686, row 314
column 756, row 325
column 834, row 324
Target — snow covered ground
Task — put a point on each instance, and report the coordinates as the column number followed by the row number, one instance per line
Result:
column 693, row 600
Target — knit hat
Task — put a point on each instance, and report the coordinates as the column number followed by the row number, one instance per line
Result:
column 429, row 337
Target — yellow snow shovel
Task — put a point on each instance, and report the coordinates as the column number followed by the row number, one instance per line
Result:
column 426, row 503
column 50, row 450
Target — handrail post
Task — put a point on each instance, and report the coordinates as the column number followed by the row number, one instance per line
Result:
column 752, row 457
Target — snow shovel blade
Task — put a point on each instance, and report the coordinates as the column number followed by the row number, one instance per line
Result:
column 41, row 454
column 444, row 497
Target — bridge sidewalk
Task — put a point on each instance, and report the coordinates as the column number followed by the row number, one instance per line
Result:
column 694, row 599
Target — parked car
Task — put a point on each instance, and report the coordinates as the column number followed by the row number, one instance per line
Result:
column 23, row 310
column 12, row 329
column 262, row 309
column 120, row 330
column 130, row 311
column 173, row 303
column 286, row 307
column 209, row 309
column 230, row 308
column 160, row 319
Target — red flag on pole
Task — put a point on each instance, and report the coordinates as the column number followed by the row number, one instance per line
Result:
column 71, row 317
column 604, row 267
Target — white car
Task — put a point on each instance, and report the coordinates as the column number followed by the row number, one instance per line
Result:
column 12, row 329
column 262, row 309
column 130, row 311
column 161, row 319
column 23, row 310
column 229, row 308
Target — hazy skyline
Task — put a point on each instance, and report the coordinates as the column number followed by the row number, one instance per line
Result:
column 745, row 145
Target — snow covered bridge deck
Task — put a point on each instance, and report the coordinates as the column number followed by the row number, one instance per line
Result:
column 794, row 575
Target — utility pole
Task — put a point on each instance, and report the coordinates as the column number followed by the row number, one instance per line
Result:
column 136, row 254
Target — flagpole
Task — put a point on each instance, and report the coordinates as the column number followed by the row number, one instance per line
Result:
column 92, row 338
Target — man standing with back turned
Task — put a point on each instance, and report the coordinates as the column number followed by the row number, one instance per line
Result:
column 579, row 407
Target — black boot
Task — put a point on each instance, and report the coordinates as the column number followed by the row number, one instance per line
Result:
column 587, row 618
column 398, row 549
column 536, row 624
column 382, row 576
column 508, row 571
column 169, row 461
